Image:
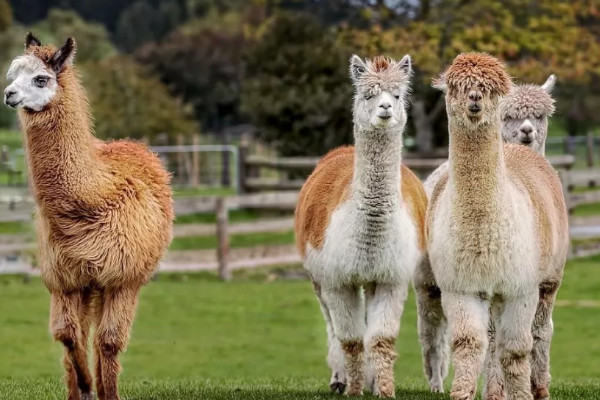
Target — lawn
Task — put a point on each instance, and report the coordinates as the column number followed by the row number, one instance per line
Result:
column 198, row 338
column 235, row 241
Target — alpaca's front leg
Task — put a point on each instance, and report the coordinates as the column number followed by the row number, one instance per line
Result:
column 346, row 308
column 515, row 343
column 468, row 318
column 542, row 336
column 335, row 354
column 433, row 327
column 66, row 328
column 112, row 335
column 493, row 388
column 385, row 304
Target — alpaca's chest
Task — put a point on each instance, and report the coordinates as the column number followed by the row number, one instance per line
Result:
column 363, row 245
column 495, row 253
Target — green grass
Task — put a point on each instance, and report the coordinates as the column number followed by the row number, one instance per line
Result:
column 235, row 216
column 9, row 228
column 587, row 210
column 12, row 139
column 240, row 240
column 198, row 338
column 203, row 191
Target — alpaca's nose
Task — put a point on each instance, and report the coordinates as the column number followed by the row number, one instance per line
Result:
column 8, row 93
column 527, row 129
column 385, row 105
column 475, row 95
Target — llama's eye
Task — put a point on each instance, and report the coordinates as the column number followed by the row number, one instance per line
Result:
column 538, row 117
column 397, row 97
column 368, row 97
column 40, row 81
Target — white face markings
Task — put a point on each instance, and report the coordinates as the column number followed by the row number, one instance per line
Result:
column 377, row 108
column 33, row 84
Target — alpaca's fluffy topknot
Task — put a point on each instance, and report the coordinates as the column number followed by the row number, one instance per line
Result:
column 380, row 63
column 478, row 69
column 526, row 101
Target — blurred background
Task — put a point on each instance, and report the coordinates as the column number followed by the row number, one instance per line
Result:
column 240, row 98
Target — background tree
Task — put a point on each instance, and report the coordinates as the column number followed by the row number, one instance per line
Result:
column 297, row 89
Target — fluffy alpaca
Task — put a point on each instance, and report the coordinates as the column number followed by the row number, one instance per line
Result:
column 360, row 227
column 104, row 215
column 498, row 238
column 524, row 114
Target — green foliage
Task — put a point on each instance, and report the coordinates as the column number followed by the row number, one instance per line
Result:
column 141, row 23
column 128, row 102
column 297, row 89
column 5, row 15
column 93, row 42
column 204, row 66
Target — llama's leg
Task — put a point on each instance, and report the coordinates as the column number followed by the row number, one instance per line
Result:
column 542, row 336
column 433, row 335
column 385, row 304
column 86, row 316
column 66, row 328
column 515, row 343
column 493, row 388
column 335, row 354
column 98, row 307
column 346, row 308
column 112, row 335
column 468, row 319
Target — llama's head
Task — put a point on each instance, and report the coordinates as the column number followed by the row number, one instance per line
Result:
column 524, row 113
column 381, row 86
column 34, row 76
column 474, row 84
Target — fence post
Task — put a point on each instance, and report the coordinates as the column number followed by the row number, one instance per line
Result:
column 590, row 149
column 222, row 239
column 195, row 178
column 241, row 165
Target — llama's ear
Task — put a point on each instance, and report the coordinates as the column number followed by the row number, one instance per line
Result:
column 549, row 84
column 406, row 64
column 357, row 67
column 31, row 40
column 64, row 56
column 440, row 82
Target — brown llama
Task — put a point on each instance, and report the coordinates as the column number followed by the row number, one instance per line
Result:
column 104, row 215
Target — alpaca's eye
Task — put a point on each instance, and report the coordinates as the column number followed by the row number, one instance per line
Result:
column 538, row 117
column 40, row 81
column 368, row 97
column 397, row 97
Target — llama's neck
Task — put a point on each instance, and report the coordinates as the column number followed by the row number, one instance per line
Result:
column 376, row 181
column 477, row 171
column 59, row 143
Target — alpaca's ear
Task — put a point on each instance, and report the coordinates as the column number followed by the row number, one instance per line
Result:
column 64, row 56
column 440, row 82
column 357, row 67
column 406, row 64
column 31, row 40
column 549, row 84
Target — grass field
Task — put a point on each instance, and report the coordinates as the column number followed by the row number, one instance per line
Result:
column 198, row 338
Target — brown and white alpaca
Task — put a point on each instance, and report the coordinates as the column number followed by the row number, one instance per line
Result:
column 498, row 239
column 104, row 215
column 360, row 226
column 524, row 114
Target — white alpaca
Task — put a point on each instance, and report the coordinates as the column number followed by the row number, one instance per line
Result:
column 524, row 114
column 359, row 227
column 498, row 238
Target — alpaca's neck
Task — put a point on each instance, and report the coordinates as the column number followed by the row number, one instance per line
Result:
column 376, row 181
column 477, row 170
column 60, row 143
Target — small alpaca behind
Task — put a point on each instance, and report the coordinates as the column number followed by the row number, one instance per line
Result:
column 104, row 215
column 497, row 242
column 524, row 114
column 359, row 228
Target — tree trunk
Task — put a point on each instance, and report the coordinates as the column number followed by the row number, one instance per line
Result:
column 423, row 127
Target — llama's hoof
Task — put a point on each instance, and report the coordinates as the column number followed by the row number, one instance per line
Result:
column 353, row 392
column 337, row 387
column 462, row 394
column 385, row 394
column 541, row 393
column 87, row 396
column 436, row 386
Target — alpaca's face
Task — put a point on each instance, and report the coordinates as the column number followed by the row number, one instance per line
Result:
column 524, row 113
column 32, row 83
column 473, row 107
column 380, row 86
